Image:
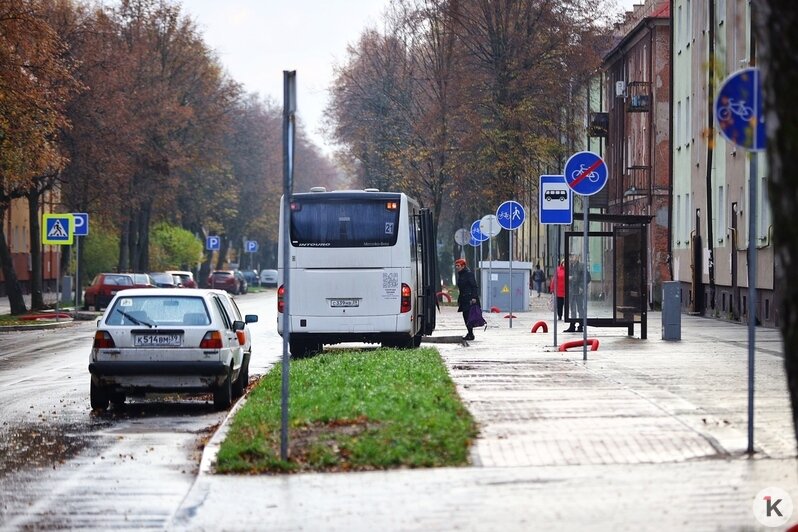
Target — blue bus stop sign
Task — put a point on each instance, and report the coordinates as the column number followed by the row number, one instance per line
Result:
column 477, row 234
column 738, row 110
column 510, row 215
column 556, row 202
column 586, row 173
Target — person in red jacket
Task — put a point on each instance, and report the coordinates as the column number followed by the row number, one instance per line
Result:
column 559, row 277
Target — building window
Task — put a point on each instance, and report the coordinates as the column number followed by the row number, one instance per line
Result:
column 677, row 222
column 688, row 223
column 688, row 124
column 678, row 129
column 764, row 211
column 689, row 24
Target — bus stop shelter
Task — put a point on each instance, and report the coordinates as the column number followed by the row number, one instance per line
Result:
column 617, row 293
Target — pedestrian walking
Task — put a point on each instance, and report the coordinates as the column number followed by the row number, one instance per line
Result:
column 538, row 277
column 559, row 290
column 576, row 291
column 469, row 293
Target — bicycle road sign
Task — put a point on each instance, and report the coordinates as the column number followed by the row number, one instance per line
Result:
column 476, row 232
column 556, row 201
column 58, row 229
column 739, row 111
column 585, row 173
column 510, row 215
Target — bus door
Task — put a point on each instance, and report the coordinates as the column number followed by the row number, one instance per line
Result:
column 429, row 271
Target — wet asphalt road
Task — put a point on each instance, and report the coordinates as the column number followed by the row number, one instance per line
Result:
column 64, row 466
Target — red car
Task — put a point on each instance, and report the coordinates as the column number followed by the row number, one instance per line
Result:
column 227, row 280
column 105, row 286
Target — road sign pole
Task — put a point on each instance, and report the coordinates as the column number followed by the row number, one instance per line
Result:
column 510, row 254
column 586, row 206
column 77, row 272
column 752, row 182
column 555, row 300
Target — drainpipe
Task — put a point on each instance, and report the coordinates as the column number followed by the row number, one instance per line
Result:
column 670, row 150
column 711, row 138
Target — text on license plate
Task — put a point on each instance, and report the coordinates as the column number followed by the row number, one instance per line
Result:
column 344, row 302
column 158, row 340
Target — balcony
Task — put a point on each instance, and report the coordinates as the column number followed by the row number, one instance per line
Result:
column 638, row 97
column 599, row 125
column 637, row 182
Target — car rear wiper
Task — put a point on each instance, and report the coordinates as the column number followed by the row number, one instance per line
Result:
column 134, row 320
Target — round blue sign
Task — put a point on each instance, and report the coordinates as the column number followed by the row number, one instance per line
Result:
column 477, row 234
column 738, row 110
column 585, row 173
column 474, row 242
column 510, row 215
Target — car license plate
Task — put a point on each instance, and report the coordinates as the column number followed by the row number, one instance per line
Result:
column 344, row 302
column 158, row 340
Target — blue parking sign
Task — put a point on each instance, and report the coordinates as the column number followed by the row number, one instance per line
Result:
column 81, row 223
column 213, row 243
column 251, row 246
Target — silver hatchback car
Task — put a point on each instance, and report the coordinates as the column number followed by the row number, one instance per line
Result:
column 170, row 340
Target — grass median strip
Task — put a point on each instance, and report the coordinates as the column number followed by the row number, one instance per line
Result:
column 353, row 410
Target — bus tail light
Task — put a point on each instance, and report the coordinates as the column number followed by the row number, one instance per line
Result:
column 281, row 299
column 103, row 340
column 211, row 340
column 406, row 293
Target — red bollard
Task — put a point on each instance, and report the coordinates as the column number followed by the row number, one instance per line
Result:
column 446, row 296
column 538, row 325
column 495, row 310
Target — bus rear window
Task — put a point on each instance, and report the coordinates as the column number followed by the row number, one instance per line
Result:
column 344, row 223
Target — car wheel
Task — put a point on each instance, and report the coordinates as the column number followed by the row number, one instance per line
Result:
column 417, row 339
column 98, row 396
column 240, row 385
column 223, row 394
column 301, row 349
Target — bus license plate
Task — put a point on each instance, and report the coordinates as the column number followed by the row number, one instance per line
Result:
column 344, row 302
column 158, row 340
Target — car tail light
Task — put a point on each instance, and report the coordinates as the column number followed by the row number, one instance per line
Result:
column 281, row 299
column 406, row 293
column 211, row 340
column 242, row 337
column 103, row 340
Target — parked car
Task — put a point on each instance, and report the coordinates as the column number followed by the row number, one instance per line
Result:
column 242, row 282
column 164, row 280
column 170, row 340
column 104, row 287
column 186, row 278
column 227, row 280
column 268, row 277
column 251, row 277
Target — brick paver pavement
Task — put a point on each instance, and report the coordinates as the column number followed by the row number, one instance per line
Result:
column 644, row 435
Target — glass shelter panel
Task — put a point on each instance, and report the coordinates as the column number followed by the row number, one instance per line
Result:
column 630, row 282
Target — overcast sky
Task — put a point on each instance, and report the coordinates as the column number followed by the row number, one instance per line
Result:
column 257, row 39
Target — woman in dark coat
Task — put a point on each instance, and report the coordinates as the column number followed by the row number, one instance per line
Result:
column 469, row 293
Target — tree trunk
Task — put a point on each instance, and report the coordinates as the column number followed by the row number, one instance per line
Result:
column 777, row 41
column 222, row 257
column 124, row 245
column 13, row 289
column 36, row 297
column 144, row 239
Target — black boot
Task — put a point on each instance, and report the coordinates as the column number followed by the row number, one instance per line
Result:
column 570, row 328
column 470, row 335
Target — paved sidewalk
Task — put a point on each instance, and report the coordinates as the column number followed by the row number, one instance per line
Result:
column 644, row 435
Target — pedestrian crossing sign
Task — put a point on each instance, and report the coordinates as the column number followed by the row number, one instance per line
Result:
column 58, row 229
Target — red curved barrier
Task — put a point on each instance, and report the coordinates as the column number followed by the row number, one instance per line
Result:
column 45, row 316
column 495, row 310
column 510, row 316
column 538, row 325
column 446, row 296
column 594, row 344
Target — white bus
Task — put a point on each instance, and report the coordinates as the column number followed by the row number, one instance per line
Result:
column 363, row 269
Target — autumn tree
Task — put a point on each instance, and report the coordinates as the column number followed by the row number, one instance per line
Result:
column 35, row 84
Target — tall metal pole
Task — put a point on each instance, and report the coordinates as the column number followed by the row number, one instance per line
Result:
column 752, row 182
column 586, row 206
column 510, row 255
column 289, row 109
column 554, row 296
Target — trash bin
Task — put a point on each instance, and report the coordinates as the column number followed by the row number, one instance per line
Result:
column 671, row 311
